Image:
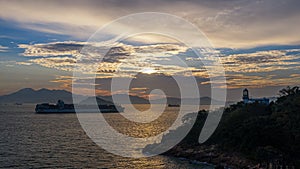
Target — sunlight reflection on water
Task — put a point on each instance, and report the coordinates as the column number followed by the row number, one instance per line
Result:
column 31, row 140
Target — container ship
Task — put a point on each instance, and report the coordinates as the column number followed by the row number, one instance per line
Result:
column 61, row 107
column 173, row 105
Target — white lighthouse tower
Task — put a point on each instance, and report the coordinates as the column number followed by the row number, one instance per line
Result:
column 245, row 95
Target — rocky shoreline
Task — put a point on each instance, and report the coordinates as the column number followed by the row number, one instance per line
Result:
column 212, row 154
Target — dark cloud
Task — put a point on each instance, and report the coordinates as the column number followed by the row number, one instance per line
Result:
column 115, row 54
column 63, row 46
column 228, row 23
column 148, row 82
column 257, row 59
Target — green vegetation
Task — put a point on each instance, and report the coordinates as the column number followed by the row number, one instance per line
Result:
column 263, row 133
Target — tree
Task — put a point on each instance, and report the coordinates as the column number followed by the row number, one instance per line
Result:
column 289, row 91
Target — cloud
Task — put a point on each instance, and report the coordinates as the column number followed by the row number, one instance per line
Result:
column 262, row 68
column 142, row 84
column 261, row 61
column 52, row 49
column 64, row 55
column 3, row 48
column 121, row 61
column 62, row 63
column 24, row 63
column 251, row 23
column 244, row 68
column 127, row 59
column 295, row 75
column 231, row 24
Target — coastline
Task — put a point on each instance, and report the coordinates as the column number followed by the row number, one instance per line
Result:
column 211, row 155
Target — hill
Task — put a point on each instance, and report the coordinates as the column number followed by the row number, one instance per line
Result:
column 124, row 99
column 91, row 101
column 28, row 95
column 202, row 101
column 249, row 135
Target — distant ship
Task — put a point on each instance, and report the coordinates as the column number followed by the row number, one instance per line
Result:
column 173, row 105
column 61, row 107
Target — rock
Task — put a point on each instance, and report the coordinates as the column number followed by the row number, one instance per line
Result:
column 189, row 151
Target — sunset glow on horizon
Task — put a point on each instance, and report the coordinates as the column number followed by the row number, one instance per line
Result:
column 40, row 44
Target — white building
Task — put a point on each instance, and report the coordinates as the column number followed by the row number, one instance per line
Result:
column 248, row 100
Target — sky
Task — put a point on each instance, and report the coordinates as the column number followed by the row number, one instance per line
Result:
column 257, row 42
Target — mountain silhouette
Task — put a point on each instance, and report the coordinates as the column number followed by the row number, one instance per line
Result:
column 28, row 95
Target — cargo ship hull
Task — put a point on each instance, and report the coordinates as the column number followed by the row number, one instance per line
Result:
column 60, row 107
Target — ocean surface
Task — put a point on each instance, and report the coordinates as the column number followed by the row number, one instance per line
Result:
column 30, row 140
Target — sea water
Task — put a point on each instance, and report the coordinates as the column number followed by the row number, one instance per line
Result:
column 30, row 140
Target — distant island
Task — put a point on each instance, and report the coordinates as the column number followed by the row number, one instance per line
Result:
column 28, row 95
column 250, row 135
